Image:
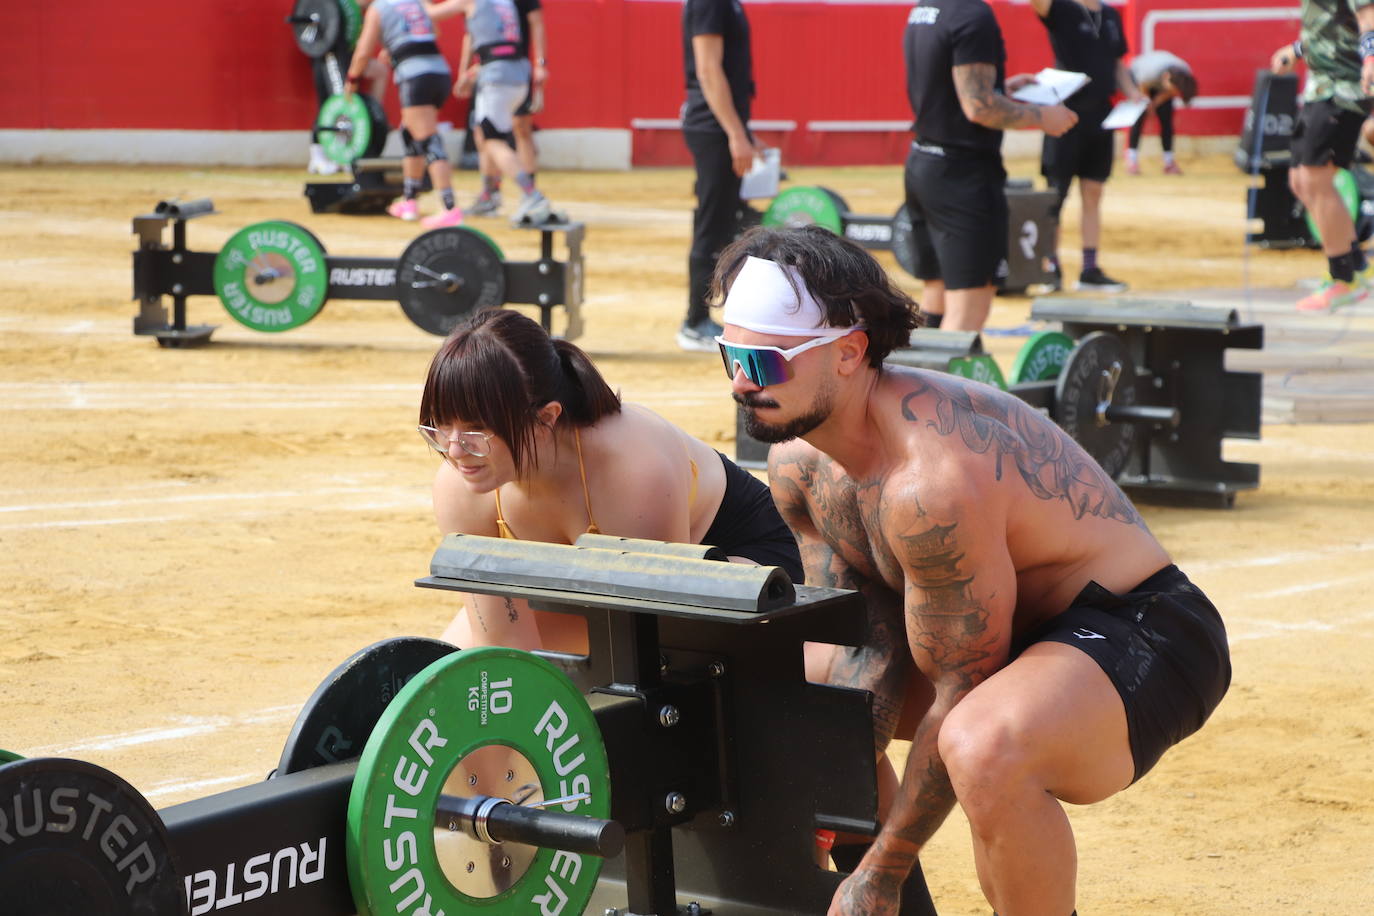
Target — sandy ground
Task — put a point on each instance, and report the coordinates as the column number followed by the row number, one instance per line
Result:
column 191, row 539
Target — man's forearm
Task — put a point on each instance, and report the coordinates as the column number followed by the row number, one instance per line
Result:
column 983, row 104
column 924, row 801
column 716, row 89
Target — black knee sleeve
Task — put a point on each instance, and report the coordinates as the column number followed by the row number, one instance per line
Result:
column 489, row 132
column 413, row 147
column 434, row 150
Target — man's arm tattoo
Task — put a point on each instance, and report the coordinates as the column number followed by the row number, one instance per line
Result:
column 1041, row 452
column 985, row 104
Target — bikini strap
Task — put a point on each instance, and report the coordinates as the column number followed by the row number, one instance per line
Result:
column 502, row 529
column 586, row 494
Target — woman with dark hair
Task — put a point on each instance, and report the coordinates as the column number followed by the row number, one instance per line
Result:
column 538, row 447
column 1163, row 77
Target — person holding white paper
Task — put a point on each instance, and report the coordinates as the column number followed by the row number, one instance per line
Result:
column 1086, row 37
column 954, row 178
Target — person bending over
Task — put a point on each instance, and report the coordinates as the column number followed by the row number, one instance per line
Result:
column 1064, row 650
column 537, row 447
column 1163, row 77
column 405, row 28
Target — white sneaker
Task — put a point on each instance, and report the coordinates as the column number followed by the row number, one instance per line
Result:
column 534, row 209
column 320, row 164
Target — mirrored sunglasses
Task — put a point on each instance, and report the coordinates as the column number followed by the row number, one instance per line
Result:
column 476, row 444
column 764, row 366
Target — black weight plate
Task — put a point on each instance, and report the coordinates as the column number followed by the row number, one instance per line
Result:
column 445, row 275
column 317, row 25
column 1099, row 374
column 901, row 240
column 379, row 127
column 334, row 724
column 79, row 840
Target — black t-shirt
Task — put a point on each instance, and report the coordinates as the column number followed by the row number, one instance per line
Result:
column 941, row 34
column 1091, row 42
column 524, row 8
column 724, row 18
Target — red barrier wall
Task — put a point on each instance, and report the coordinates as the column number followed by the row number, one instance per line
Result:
column 232, row 65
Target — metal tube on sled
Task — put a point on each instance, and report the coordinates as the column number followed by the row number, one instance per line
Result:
column 641, row 545
column 589, row 570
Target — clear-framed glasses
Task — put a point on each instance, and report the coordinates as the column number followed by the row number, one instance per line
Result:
column 476, row 444
column 764, row 366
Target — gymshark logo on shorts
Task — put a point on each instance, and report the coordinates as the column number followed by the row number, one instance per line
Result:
column 1085, row 633
column 923, row 15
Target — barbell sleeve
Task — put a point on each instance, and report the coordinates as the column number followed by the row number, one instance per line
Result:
column 1135, row 413
column 496, row 820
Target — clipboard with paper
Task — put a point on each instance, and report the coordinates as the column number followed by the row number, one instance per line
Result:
column 1051, row 87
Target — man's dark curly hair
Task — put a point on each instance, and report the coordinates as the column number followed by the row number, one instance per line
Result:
column 848, row 283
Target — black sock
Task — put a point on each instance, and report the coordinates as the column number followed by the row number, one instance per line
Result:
column 1342, row 267
column 491, row 184
column 930, row 319
column 446, row 195
column 1358, row 257
column 411, row 187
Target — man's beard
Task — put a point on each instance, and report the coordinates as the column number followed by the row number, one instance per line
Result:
column 792, row 429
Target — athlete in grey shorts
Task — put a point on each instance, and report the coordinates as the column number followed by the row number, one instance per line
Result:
column 498, row 82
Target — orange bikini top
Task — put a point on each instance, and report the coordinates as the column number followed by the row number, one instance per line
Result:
column 503, row 529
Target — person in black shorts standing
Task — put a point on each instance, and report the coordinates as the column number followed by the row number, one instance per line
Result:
column 1086, row 37
column 1337, row 41
column 715, row 117
column 533, row 45
column 955, row 182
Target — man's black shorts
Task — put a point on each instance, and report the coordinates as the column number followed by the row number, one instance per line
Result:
column 426, row 89
column 1086, row 151
column 1325, row 134
column 958, row 205
column 1164, row 647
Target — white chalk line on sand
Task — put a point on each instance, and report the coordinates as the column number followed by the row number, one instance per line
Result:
column 187, row 727
column 370, row 499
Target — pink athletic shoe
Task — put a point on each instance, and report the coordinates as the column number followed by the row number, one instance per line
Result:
column 1171, row 168
column 408, row 210
column 445, row 218
column 1132, row 167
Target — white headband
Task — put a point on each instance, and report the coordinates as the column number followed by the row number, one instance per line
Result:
column 762, row 299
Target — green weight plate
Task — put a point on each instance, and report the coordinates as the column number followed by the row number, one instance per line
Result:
column 981, row 368
column 840, row 203
column 352, row 20
column 1348, row 190
column 804, row 206
column 350, row 127
column 272, row 276
column 488, row 721
column 9, row 756
column 1041, row 358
